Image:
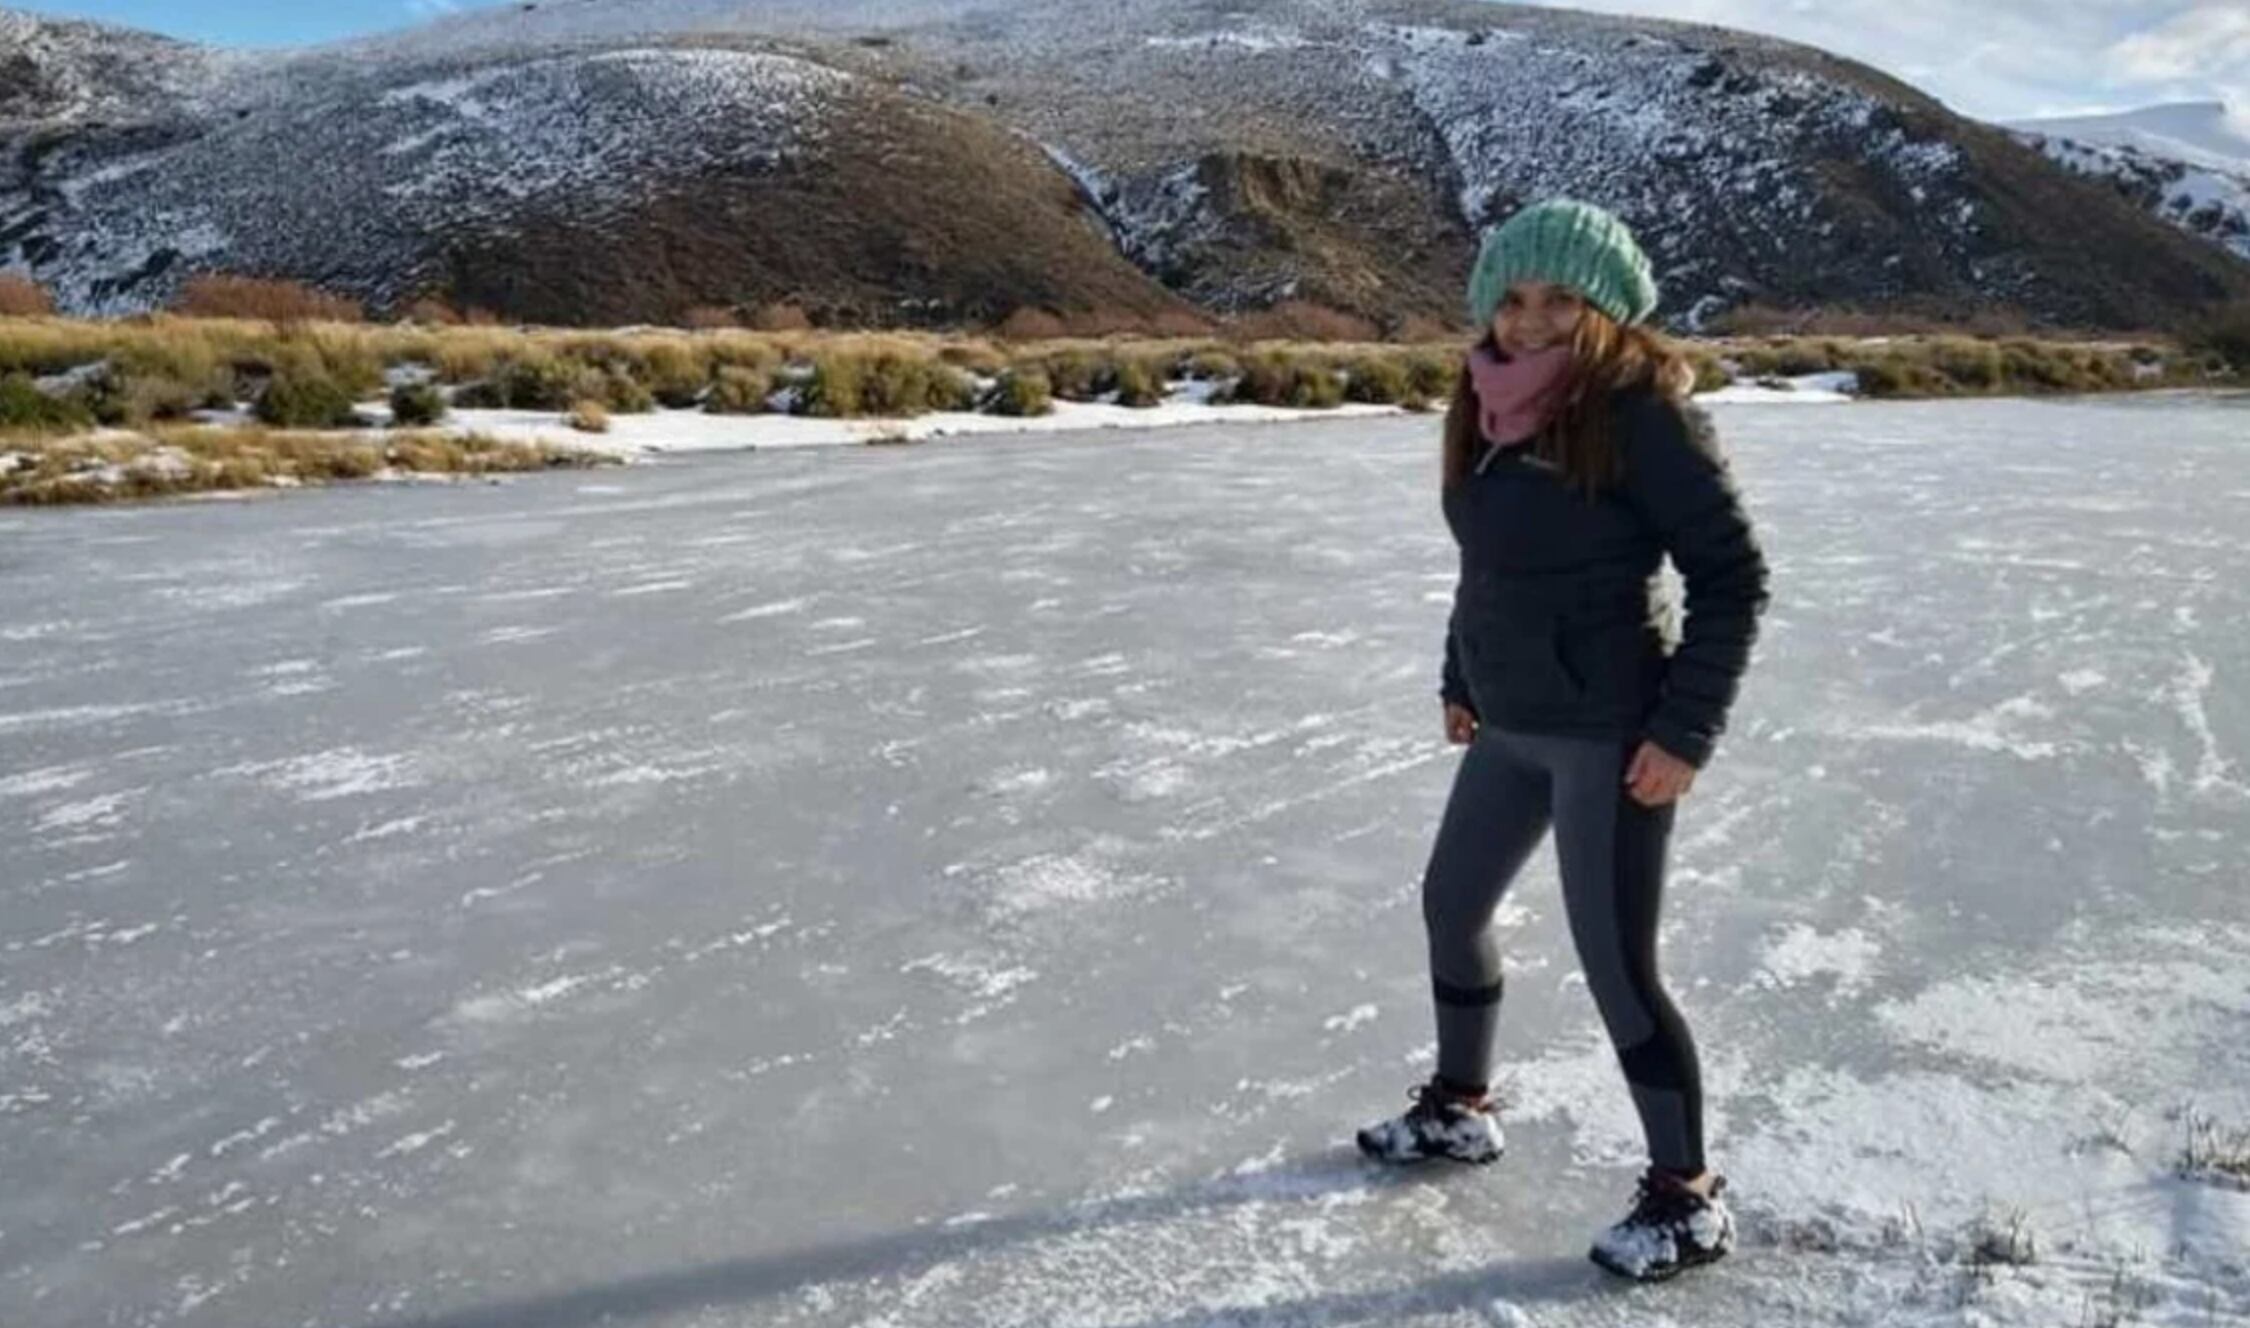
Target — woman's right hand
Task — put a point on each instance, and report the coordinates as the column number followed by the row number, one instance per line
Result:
column 1460, row 723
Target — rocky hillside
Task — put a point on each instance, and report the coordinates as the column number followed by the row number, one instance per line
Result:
column 63, row 72
column 2189, row 163
column 948, row 161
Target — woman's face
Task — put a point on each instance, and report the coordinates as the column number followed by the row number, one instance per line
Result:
column 1534, row 315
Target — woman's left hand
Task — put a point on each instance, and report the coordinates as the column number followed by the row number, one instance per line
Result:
column 1655, row 776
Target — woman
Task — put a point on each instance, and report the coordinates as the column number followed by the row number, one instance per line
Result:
column 1572, row 467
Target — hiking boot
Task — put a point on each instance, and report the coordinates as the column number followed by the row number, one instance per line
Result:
column 1441, row 1123
column 1671, row 1228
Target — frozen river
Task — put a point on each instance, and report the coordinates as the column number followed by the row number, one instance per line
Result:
column 975, row 884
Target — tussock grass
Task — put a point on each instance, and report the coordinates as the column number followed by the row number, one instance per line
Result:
column 26, row 410
column 306, row 399
column 1955, row 366
column 2225, row 337
column 736, row 390
column 138, row 371
column 1022, row 393
column 220, row 295
column 417, row 405
column 119, row 467
column 588, row 416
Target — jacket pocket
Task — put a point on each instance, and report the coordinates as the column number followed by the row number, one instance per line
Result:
column 1616, row 667
column 1520, row 668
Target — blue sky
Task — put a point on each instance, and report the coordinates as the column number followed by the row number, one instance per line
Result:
column 250, row 23
column 1990, row 58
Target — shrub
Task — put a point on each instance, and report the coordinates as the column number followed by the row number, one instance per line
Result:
column 1788, row 359
column 743, row 350
column 1212, row 365
column 414, row 405
column 305, row 400
column 1710, row 375
column 738, row 391
column 21, row 297
column 1379, row 380
column 1179, row 323
column 484, row 394
column 430, row 312
column 537, row 381
column 1432, row 373
column 2225, row 334
column 589, row 416
column 1317, row 386
column 23, row 406
column 1416, row 328
column 1028, row 324
column 1140, row 383
column 115, row 395
column 1899, row 376
column 897, row 385
column 166, row 399
column 1076, row 375
column 974, row 356
column 1976, row 365
column 622, row 393
column 705, row 316
column 780, row 318
column 2050, row 368
column 949, row 389
column 1022, row 392
column 1276, row 380
column 465, row 356
column 1303, row 320
column 890, row 384
column 834, row 389
column 218, row 295
column 676, row 375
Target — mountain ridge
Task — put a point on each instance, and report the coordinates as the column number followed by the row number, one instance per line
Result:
column 1186, row 156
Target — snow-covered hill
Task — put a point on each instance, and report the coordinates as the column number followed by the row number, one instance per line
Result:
column 62, row 70
column 2210, row 134
column 599, row 159
column 2188, row 162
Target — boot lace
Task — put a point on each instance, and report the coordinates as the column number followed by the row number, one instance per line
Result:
column 1661, row 1198
column 1431, row 1103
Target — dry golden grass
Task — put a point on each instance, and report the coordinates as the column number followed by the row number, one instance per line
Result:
column 1957, row 365
column 117, row 467
column 158, row 363
column 220, row 295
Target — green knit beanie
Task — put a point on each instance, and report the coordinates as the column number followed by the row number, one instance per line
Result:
column 1568, row 243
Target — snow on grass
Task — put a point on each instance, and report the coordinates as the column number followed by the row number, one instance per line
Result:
column 1187, row 403
column 1820, row 389
column 695, row 431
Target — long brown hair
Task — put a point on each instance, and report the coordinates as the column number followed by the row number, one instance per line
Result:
column 1606, row 356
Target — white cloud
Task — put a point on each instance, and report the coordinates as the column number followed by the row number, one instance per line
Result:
column 2204, row 41
column 2007, row 59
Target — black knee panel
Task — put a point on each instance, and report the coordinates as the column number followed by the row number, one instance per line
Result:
column 1469, row 997
column 1655, row 1062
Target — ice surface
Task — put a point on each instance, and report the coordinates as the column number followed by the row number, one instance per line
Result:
column 573, row 955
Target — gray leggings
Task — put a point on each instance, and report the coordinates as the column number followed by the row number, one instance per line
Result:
column 1509, row 789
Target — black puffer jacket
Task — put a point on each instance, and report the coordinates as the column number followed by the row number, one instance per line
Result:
column 1558, row 622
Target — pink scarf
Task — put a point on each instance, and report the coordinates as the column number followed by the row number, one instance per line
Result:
column 1517, row 397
